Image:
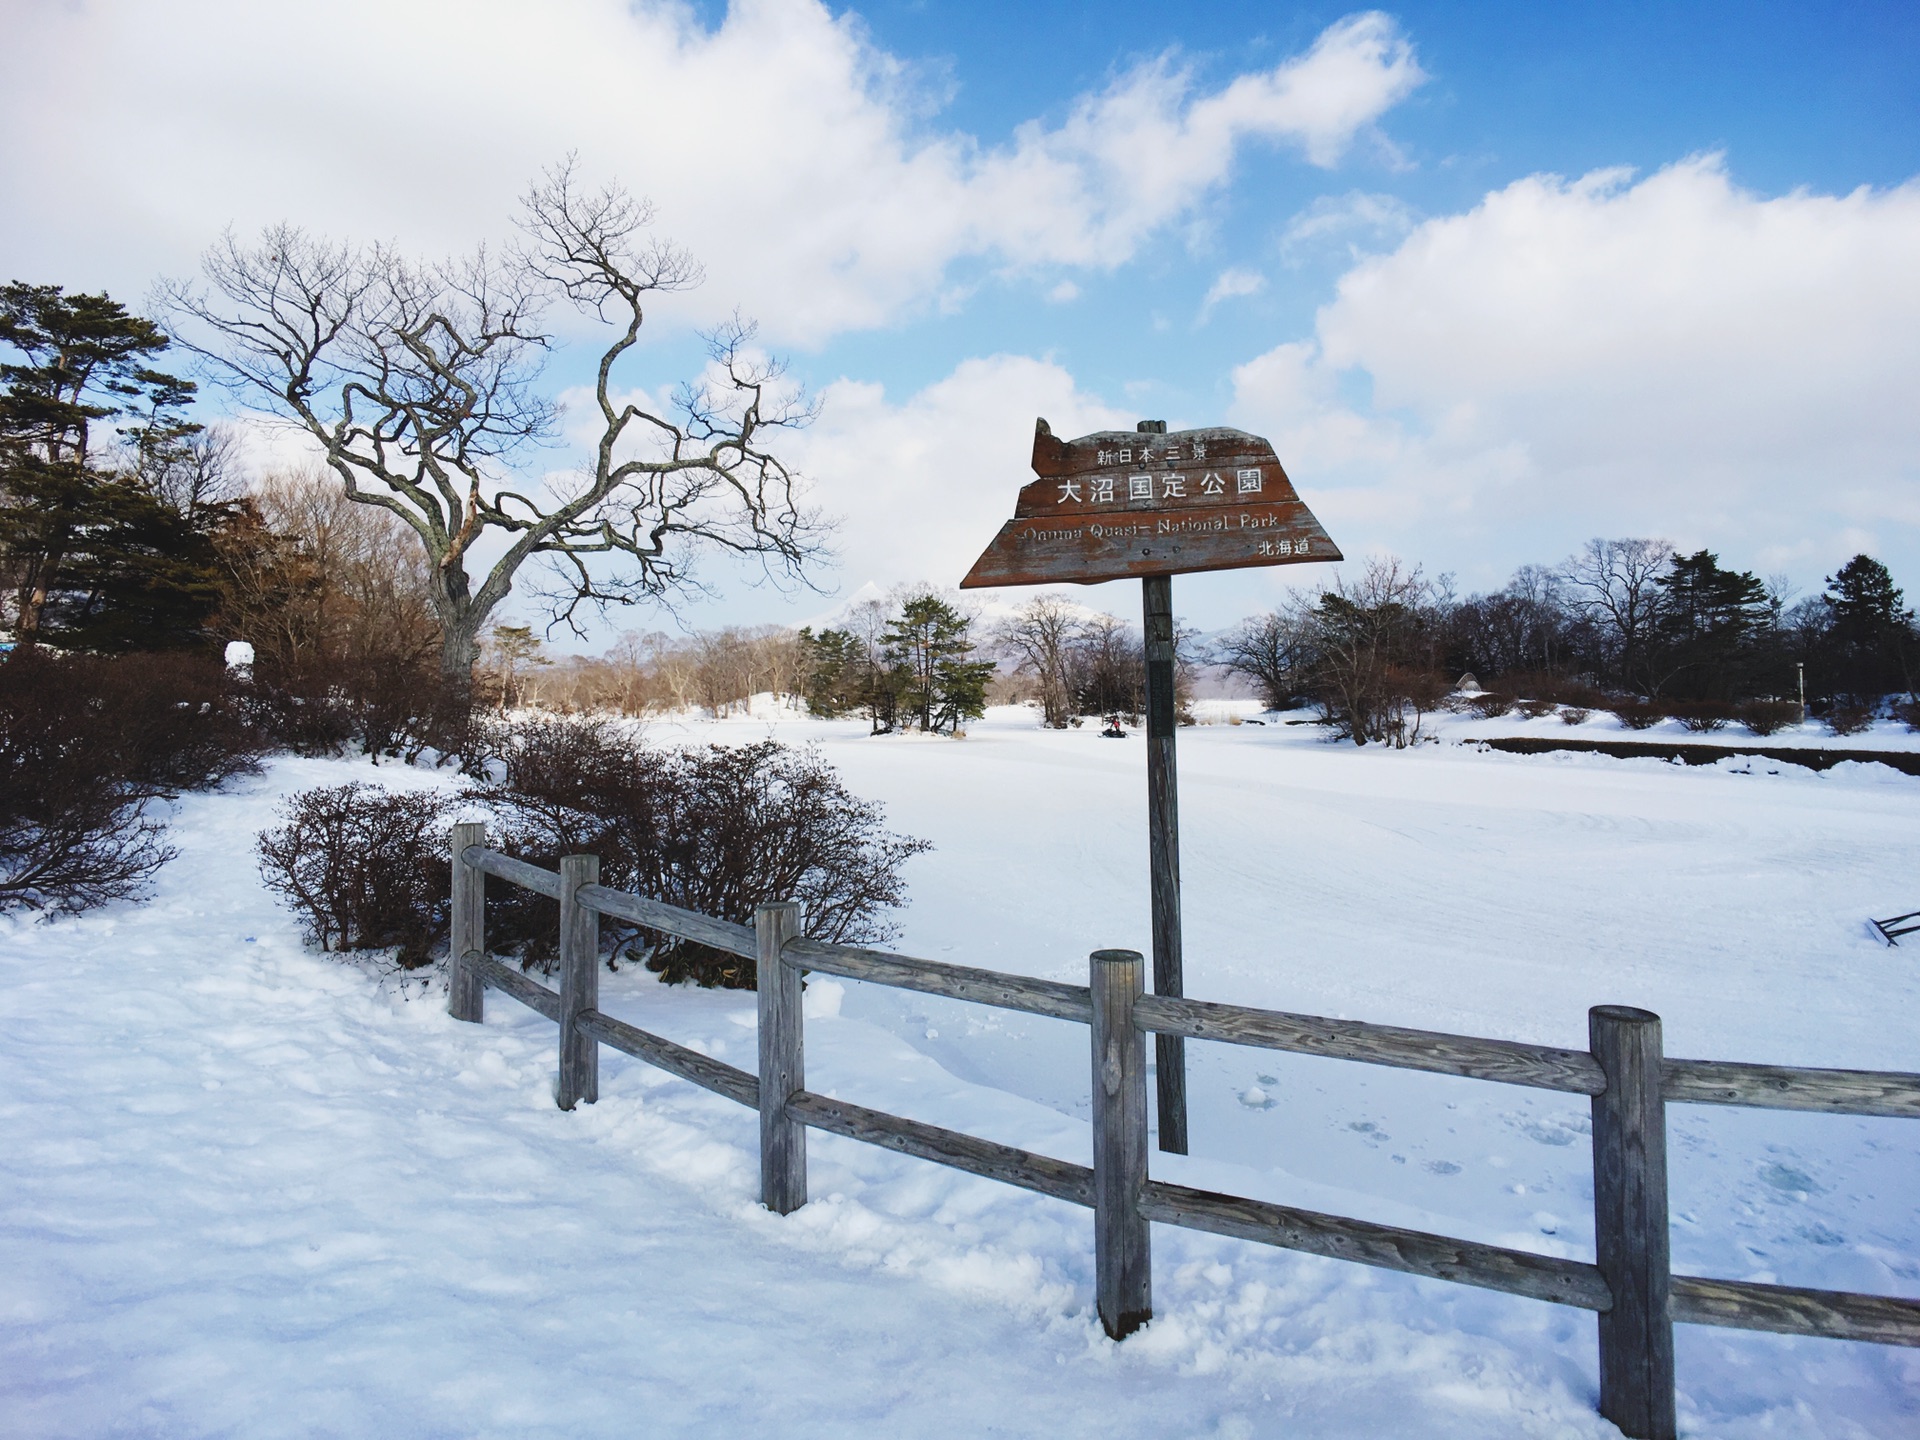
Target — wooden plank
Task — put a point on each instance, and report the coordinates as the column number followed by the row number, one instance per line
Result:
column 1122, row 1242
column 1388, row 1247
column 1509, row 1061
column 1792, row 1087
column 466, row 995
column 579, row 983
column 783, row 1072
column 1163, row 855
column 935, row 977
column 1115, row 504
column 722, row 935
column 529, row 877
column 1630, row 1226
column 1042, row 1173
column 527, row 991
column 1790, row 1310
column 702, row 1070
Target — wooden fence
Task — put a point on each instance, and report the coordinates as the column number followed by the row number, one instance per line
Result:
column 1630, row 1284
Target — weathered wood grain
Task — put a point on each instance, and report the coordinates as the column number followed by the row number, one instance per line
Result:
column 935, row 977
column 1148, row 503
column 783, row 1072
column 1414, row 1252
column 703, row 1070
column 1122, row 1243
column 466, row 996
column 722, row 935
column 529, row 877
column 1630, row 1226
column 1792, row 1087
column 1790, row 1310
column 579, row 983
column 527, row 991
column 1163, row 855
column 1510, row 1061
column 1042, row 1173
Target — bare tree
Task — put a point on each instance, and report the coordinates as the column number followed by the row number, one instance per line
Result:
column 1273, row 650
column 1372, row 670
column 420, row 384
column 1613, row 583
column 1041, row 636
column 320, row 580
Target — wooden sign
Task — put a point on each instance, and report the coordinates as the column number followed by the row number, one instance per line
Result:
column 1119, row 503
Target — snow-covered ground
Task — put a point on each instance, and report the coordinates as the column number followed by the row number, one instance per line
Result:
column 247, row 1190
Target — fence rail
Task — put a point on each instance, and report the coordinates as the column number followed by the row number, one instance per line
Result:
column 1630, row 1285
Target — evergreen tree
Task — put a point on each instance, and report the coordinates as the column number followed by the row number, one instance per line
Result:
column 928, row 646
column 1707, row 621
column 1870, row 640
column 832, row 671
column 93, row 558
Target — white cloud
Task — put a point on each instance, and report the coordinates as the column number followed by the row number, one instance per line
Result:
column 1347, row 218
column 923, row 483
column 1674, row 356
column 1063, row 293
column 788, row 151
column 1231, row 285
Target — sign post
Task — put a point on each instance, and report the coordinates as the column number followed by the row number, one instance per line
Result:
column 1114, row 505
column 1163, row 855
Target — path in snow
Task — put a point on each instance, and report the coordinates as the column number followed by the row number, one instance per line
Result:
column 246, row 1190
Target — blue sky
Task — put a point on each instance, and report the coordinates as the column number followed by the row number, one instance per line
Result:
column 1494, row 277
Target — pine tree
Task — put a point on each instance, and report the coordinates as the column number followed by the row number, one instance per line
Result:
column 1870, row 637
column 929, row 647
column 1706, row 622
column 93, row 558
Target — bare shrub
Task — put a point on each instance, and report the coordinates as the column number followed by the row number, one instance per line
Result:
column 1849, row 719
column 1764, row 717
column 1490, row 704
column 382, row 708
column 86, row 743
column 363, row 868
column 1639, row 714
column 717, row 829
column 1536, row 709
column 1575, row 715
column 1907, row 712
column 1703, row 717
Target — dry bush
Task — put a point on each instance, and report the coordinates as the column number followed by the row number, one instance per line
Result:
column 85, row 744
column 380, row 707
column 1639, row 714
column 1907, row 712
column 1764, row 717
column 1575, row 715
column 1703, row 717
column 1849, row 719
column 1489, row 704
column 716, row 829
column 363, row 868
column 1536, row 709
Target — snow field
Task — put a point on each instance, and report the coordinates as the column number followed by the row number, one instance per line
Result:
column 248, row 1190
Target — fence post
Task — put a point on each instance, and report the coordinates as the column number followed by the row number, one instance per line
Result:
column 1122, row 1255
column 579, row 982
column 466, row 995
column 1630, row 1223
column 783, row 1141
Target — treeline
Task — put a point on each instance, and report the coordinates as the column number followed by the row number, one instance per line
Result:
column 910, row 662
column 1624, row 623
column 914, row 661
